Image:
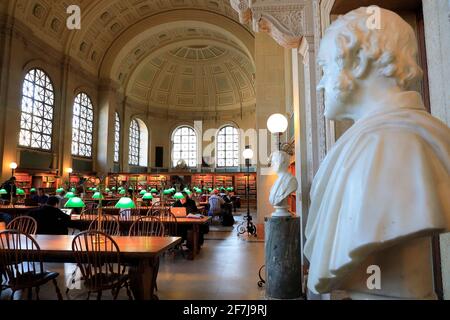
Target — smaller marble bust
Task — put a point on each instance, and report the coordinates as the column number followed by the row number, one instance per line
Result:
column 283, row 186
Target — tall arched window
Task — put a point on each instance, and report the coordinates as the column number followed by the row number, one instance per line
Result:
column 138, row 144
column 117, row 138
column 36, row 120
column 135, row 143
column 82, row 126
column 228, row 147
column 184, row 146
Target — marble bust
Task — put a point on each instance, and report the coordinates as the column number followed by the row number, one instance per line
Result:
column 383, row 190
column 283, row 186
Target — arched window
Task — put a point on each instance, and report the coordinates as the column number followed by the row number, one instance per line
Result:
column 184, row 146
column 228, row 147
column 36, row 120
column 117, row 138
column 82, row 126
column 138, row 144
column 135, row 143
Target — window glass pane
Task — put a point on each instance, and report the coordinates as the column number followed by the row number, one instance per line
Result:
column 184, row 146
column 82, row 126
column 228, row 147
column 117, row 138
column 36, row 120
column 135, row 143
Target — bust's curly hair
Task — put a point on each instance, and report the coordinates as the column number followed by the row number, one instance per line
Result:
column 390, row 49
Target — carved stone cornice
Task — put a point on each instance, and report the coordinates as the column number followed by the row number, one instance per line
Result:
column 243, row 9
column 284, row 20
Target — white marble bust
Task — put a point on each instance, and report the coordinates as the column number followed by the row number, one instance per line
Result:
column 384, row 188
column 283, row 186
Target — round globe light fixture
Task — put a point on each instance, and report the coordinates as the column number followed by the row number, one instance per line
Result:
column 248, row 154
column 277, row 123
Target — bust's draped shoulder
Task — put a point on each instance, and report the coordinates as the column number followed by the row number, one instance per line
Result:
column 387, row 179
column 282, row 188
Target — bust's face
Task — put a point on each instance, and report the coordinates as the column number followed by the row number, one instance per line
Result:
column 336, row 96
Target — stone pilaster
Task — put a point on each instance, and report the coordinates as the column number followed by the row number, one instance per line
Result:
column 106, row 126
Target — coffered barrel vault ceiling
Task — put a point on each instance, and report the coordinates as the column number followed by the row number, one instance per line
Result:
column 189, row 64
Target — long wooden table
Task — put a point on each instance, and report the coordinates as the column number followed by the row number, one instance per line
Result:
column 83, row 222
column 17, row 210
column 141, row 253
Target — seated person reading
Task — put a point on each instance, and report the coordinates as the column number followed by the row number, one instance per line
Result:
column 187, row 203
column 191, row 207
column 50, row 219
column 215, row 204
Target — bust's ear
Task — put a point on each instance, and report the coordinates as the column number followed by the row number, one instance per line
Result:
column 361, row 64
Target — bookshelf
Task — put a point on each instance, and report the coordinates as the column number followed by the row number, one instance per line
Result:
column 24, row 181
column 155, row 181
column 224, row 181
column 208, row 180
column 241, row 183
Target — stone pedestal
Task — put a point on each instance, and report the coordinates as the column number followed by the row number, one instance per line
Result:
column 283, row 258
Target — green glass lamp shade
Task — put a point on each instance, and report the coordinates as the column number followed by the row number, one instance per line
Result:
column 142, row 192
column 59, row 190
column 94, row 189
column 178, row 196
column 70, row 195
column 97, row 196
column 107, row 190
column 154, row 190
column 230, row 189
column 3, row 191
column 125, row 203
column 73, row 190
column 33, row 190
column 113, row 188
column 75, row 202
column 147, row 196
column 20, row 192
column 167, row 192
column 122, row 192
column 173, row 189
column 210, row 189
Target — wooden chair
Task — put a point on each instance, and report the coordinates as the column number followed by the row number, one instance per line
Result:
column 23, row 224
column 98, row 257
column 170, row 227
column 153, row 207
column 125, row 214
column 169, row 221
column 21, row 263
column 109, row 224
column 147, row 227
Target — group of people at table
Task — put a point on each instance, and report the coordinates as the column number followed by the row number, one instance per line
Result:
column 53, row 221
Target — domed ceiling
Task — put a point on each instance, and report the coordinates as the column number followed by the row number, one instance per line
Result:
column 195, row 78
column 188, row 69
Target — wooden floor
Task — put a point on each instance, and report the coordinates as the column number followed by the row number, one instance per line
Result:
column 226, row 269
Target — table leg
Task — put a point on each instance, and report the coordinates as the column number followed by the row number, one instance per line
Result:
column 195, row 241
column 143, row 278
